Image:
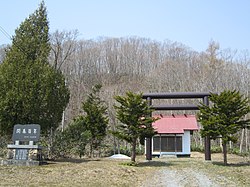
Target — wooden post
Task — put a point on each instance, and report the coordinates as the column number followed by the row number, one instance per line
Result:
column 149, row 140
column 207, row 139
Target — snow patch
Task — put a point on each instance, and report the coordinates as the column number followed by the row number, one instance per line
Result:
column 119, row 156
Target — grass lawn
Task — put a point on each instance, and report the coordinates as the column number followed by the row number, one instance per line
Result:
column 109, row 172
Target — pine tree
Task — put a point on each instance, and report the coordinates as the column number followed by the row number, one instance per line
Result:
column 135, row 116
column 95, row 118
column 225, row 117
column 31, row 91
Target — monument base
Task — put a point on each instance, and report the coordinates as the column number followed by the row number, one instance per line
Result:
column 22, row 162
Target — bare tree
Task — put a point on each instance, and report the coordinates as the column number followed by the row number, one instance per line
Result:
column 63, row 45
column 142, row 65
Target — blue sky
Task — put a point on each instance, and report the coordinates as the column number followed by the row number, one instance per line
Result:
column 191, row 22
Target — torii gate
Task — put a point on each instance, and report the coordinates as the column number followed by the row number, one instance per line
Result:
column 177, row 95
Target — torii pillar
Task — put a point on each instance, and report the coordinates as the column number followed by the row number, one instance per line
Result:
column 149, row 140
column 207, row 142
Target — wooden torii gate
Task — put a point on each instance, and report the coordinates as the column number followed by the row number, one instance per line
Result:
column 177, row 95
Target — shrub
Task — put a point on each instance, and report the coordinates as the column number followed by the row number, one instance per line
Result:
column 71, row 142
column 4, row 140
column 197, row 148
column 216, row 149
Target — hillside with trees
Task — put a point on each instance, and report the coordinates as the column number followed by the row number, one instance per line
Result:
column 127, row 64
column 143, row 65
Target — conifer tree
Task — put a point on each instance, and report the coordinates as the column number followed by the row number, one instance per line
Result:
column 135, row 117
column 95, row 118
column 31, row 91
column 225, row 117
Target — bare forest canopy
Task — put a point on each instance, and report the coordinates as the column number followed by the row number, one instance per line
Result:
column 143, row 65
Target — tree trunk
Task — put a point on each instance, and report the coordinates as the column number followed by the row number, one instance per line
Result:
column 133, row 151
column 221, row 144
column 118, row 146
column 50, row 144
column 230, row 145
column 241, row 140
column 224, row 146
column 246, row 135
column 91, row 149
column 114, row 145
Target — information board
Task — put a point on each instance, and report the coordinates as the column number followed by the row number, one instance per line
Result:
column 29, row 132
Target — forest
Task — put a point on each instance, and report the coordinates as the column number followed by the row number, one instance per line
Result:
column 142, row 65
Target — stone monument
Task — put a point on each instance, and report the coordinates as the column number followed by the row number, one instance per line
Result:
column 25, row 150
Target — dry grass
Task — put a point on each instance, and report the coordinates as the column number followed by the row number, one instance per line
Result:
column 103, row 172
column 109, row 172
column 238, row 169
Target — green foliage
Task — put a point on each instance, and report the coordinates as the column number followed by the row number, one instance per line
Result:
column 72, row 141
column 95, row 118
column 225, row 117
column 134, row 114
column 197, row 148
column 135, row 117
column 31, row 91
column 237, row 152
column 31, row 40
column 216, row 149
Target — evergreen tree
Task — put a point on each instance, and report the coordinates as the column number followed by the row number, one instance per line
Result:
column 31, row 91
column 95, row 118
column 135, row 116
column 225, row 117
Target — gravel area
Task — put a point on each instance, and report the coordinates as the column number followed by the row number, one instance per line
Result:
column 181, row 178
column 193, row 172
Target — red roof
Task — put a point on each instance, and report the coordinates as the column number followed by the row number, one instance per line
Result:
column 175, row 124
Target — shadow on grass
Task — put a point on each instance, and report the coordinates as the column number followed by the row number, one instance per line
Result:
column 146, row 164
column 154, row 164
column 240, row 164
column 72, row 160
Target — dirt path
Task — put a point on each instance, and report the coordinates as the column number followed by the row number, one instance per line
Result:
column 188, row 173
column 175, row 178
column 185, row 177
